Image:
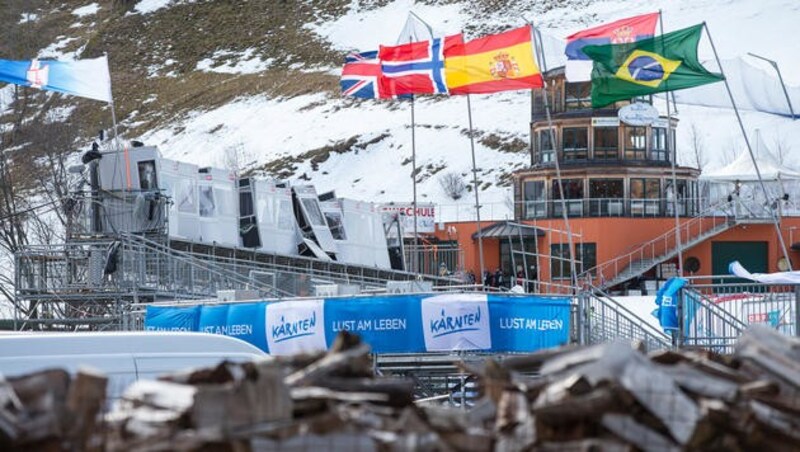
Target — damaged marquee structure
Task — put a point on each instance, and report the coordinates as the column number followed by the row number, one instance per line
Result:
column 142, row 228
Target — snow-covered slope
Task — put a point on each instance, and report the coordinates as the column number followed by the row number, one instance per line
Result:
column 362, row 149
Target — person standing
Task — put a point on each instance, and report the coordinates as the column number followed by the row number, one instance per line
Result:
column 499, row 278
column 533, row 276
column 488, row 279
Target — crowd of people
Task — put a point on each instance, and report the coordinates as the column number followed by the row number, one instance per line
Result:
column 498, row 279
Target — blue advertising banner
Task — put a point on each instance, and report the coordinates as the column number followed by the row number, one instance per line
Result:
column 389, row 323
column 528, row 323
column 168, row 318
column 247, row 322
column 213, row 319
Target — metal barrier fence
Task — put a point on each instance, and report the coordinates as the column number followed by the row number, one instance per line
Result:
column 716, row 313
column 436, row 259
column 600, row 319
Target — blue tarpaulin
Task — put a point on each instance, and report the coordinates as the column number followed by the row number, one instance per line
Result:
column 667, row 302
column 165, row 318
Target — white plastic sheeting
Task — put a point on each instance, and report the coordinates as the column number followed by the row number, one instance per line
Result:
column 315, row 221
column 792, row 277
column 357, row 228
column 752, row 88
column 179, row 182
column 218, row 207
column 276, row 223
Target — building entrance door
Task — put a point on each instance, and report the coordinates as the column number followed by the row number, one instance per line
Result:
column 752, row 255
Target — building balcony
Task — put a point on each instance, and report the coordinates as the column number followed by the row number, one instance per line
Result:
column 609, row 207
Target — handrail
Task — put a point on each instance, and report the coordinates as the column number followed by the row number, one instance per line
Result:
column 343, row 274
column 659, row 335
column 706, row 303
column 660, row 245
column 193, row 261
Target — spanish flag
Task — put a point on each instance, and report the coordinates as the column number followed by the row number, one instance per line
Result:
column 501, row 62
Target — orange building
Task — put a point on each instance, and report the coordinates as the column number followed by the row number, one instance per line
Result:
column 621, row 196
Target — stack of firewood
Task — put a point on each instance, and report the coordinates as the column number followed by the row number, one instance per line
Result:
column 50, row 410
column 610, row 396
column 330, row 400
column 602, row 397
column 614, row 397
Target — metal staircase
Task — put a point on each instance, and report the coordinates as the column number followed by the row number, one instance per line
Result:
column 635, row 263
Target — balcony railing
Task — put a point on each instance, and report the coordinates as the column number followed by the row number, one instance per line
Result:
column 610, row 207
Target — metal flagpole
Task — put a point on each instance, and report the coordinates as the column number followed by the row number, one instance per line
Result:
column 414, row 256
column 409, row 34
column 113, row 110
column 573, row 270
column 530, row 125
column 476, row 188
column 673, row 162
column 750, row 150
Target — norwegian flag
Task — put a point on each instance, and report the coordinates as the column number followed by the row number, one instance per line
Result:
column 417, row 67
column 361, row 76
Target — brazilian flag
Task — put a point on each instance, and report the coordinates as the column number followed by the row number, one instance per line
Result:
column 663, row 63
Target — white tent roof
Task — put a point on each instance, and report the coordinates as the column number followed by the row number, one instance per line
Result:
column 742, row 168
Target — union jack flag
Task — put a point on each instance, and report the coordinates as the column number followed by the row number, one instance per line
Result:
column 362, row 78
column 418, row 67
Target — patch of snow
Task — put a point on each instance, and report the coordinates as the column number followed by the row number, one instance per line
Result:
column 135, row 124
column 761, row 25
column 243, row 63
column 87, row 10
column 643, row 306
column 150, row 6
column 366, row 29
column 28, row 17
column 273, row 128
column 153, row 70
column 54, row 50
column 59, row 114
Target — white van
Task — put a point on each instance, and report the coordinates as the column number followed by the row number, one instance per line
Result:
column 124, row 357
